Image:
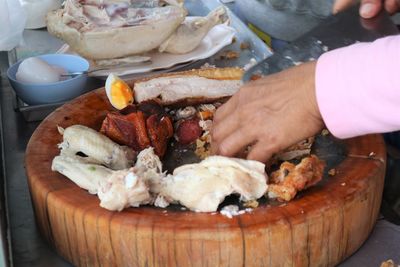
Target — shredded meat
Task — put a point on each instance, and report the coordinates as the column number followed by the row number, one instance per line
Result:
column 290, row 178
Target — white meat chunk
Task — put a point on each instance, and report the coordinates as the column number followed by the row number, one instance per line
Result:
column 203, row 186
column 123, row 189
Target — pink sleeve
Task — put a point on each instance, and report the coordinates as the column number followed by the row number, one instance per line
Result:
column 358, row 88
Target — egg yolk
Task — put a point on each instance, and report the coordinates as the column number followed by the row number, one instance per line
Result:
column 121, row 94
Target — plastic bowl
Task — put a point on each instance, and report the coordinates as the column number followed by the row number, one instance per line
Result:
column 37, row 94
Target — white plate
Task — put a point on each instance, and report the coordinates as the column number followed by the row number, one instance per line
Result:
column 216, row 39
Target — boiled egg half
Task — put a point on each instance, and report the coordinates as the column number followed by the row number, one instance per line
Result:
column 118, row 92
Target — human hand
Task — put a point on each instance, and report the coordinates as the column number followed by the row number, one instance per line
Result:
column 368, row 8
column 371, row 8
column 269, row 114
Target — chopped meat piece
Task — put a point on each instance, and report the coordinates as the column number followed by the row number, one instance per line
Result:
column 140, row 126
column 188, row 131
column 127, row 130
column 290, row 178
column 175, row 89
column 122, row 189
column 160, row 129
column 203, row 186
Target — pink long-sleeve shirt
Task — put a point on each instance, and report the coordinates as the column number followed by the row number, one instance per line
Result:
column 358, row 88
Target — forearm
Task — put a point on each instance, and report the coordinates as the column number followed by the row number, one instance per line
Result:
column 358, row 88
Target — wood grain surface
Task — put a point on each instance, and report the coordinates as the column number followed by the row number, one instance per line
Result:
column 324, row 226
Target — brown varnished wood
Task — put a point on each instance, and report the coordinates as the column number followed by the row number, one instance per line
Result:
column 321, row 228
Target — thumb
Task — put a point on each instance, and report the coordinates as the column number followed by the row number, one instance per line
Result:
column 370, row 8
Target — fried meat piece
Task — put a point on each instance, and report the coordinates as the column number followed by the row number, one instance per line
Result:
column 160, row 130
column 140, row 126
column 127, row 130
column 290, row 178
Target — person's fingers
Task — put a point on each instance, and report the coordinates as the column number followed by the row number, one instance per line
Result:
column 370, row 8
column 226, row 109
column 341, row 5
column 261, row 151
column 236, row 142
column 392, row 6
column 224, row 128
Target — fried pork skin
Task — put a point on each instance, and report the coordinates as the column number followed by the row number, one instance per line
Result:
column 143, row 126
column 290, row 179
column 129, row 130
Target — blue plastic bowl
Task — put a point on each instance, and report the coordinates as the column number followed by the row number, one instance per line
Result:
column 37, row 94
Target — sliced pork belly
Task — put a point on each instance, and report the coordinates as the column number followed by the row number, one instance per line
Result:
column 203, row 85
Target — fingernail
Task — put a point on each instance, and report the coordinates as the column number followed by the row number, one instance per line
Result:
column 366, row 9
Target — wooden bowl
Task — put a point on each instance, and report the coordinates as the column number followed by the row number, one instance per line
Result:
column 321, row 228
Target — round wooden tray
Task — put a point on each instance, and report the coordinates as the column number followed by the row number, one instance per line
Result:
column 321, row 228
